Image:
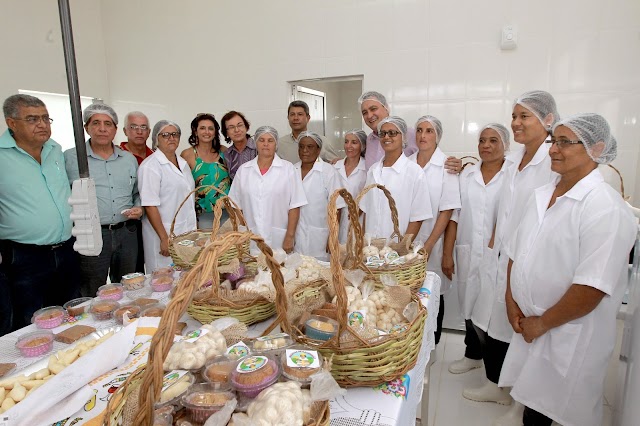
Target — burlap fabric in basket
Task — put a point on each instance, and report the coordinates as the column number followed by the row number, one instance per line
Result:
column 133, row 403
column 357, row 361
column 186, row 256
column 411, row 273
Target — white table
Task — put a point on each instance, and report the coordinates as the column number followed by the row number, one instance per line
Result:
column 394, row 403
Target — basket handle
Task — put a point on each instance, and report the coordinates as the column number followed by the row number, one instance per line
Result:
column 394, row 217
column 337, row 273
column 235, row 214
column 175, row 216
column 163, row 338
column 621, row 181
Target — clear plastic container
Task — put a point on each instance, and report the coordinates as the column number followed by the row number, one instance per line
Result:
column 204, row 399
column 50, row 317
column 133, row 281
column 253, row 374
column 166, row 270
column 173, row 394
column 162, row 283
column 320, row 328
column 111, row 292
column 132, row 311
column 36, row 343
column 77, row 307
column 218, row 369
column 273, row 345
column 102, row 310
column 155, row 310
column 300, row 362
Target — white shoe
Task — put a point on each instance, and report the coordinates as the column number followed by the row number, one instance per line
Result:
column 513, row 417
column 463, row 365
column 489, row 392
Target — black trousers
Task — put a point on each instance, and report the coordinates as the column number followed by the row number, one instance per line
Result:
column 140, row 260
column 473, row 349
column 438, row 332
column 531, row 417
column 493, row 354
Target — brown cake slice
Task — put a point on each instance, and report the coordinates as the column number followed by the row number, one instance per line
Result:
column 74, row 333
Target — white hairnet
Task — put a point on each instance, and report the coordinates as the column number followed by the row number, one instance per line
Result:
column 374, row 96
column 502, row 131
column 159, row 127
column 362, row 137
column 437, row 125
column 541, row 104
column 307, row 134
column 398, row 122
column 264, row 130
column 94, row 109
column 592, row 129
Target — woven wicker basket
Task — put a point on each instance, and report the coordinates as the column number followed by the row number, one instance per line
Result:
column 411, row 273
column 187, row 256
column 360, row 362
column 142, row 389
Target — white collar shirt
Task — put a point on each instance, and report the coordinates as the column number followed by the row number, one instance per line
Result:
column 476, row 219
column 266, row 199
column 584, row 239
column 313, row 230
column 354, row 183
column 164, row 186
column 407, row 184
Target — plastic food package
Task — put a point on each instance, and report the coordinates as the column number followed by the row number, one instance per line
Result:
column 324, row 387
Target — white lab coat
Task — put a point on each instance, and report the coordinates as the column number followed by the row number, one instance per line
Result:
column 489, row 312
column 162, row 185
column 444, row 194
column 476, row 220
column 354, row 183
column 407, row 184
column 266, row 199
column 584, row 238
column 312, row 232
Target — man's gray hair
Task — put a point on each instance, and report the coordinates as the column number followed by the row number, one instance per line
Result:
column 13, row 103
column 134, row 114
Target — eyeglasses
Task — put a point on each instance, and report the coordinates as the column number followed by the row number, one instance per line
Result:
column 391, row 133
column 562, row 143
column 167, row 135
column 240, row 126
column 36, row 119
column 135, row 127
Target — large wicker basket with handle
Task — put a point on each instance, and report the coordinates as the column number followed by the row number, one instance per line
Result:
column 360, row 362
column 411, row 274
column 186, row 248
column 137, row 396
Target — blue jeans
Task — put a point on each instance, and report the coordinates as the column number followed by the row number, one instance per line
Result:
column 32, row 277
column 118, row 257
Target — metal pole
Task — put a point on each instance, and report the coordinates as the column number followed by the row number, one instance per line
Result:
column 72, row 82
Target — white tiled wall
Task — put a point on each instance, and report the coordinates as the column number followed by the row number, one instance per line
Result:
column 436, row 56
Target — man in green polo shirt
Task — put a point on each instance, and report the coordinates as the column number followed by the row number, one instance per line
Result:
column 39, row 267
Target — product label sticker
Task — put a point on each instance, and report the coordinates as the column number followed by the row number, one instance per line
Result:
column 187, row 243
column 238, row 350
column 398, row 328
column 272, row 337
column 132, row 275
column 391, row 256
column 424, row 294
column 297, row 358
column 374, row 261
column 192, row 336
column 356, row 318
column 251, row 364
column 171, row 378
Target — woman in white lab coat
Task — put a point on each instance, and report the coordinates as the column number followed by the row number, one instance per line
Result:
column 566, row 261
column 472, row 227
column 405, row 181
column 444, row 196
column 533, row 115
column 319, row 180
column 164, row 180
column 269, row 193
column 352, row 170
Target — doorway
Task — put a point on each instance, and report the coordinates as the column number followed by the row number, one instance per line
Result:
column 333, row 106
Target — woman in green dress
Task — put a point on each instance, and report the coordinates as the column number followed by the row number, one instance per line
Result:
column 206, row 160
